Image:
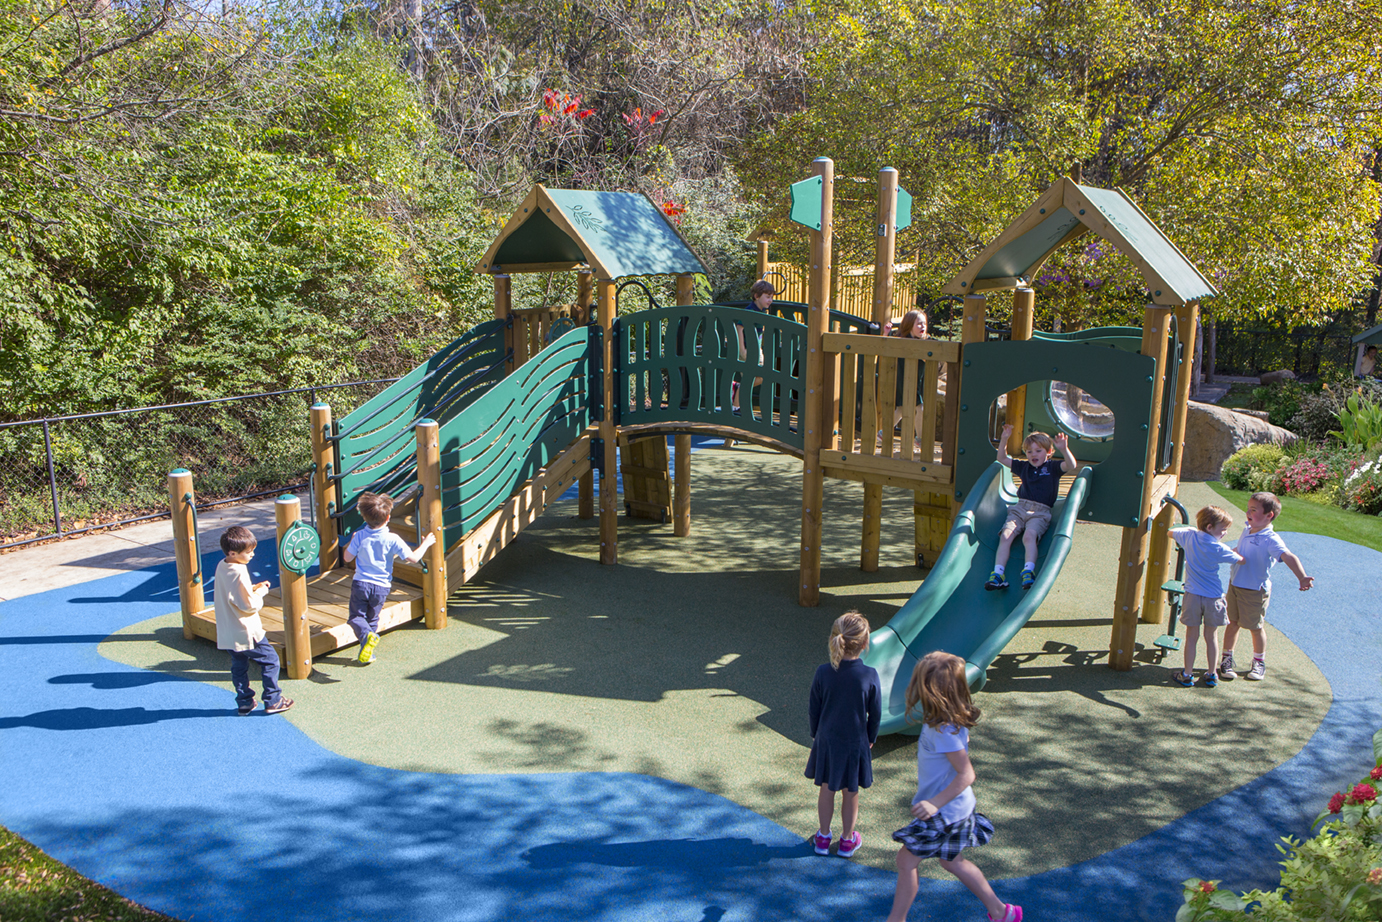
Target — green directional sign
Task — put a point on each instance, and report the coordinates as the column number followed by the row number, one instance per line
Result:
column 904, row 209
column 806, row 203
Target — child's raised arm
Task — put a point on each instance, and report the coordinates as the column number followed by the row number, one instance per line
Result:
column 1003, row 457
column 1068, row 462
column 416, row 555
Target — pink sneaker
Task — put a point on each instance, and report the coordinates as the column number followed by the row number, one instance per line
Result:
column 822, row 843
column 1011, row 913
column 849, row 846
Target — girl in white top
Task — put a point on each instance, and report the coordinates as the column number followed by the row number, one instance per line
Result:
column 945, row 820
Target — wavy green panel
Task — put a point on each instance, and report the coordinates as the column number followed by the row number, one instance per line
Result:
column 676, row 364
column 795, row 310
column 505, row 436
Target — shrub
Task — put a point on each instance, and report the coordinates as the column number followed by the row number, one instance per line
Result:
column 1281, row 401
column 1318, row 414
column 1362, row 489
column 1252, row 468
column 1335, row 875
column 1303, row 475
column 1360, row 420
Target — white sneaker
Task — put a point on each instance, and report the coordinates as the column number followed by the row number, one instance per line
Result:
column 1258, row 672
column 1228, row 670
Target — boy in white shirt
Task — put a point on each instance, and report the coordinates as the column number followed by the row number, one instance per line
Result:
column 238, row 628
column 1250, row 588
column 373, row 550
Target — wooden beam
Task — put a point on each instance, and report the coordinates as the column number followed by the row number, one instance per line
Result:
column 324, row 490
column 884, row 254
column 929, row 350
column 813, row 401
column 876, row 464
column 1024, row 320
column 429, row 517
column 681, row 462
column 913, row 481
column 1187, row 323
column 292, row 587
column 182, row 502
column 609, row 501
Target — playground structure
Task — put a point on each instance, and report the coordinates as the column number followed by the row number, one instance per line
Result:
column 478, row 440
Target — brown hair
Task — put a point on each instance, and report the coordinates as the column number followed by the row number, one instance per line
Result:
column 1212, row 517
column 1267, row 502
column 237, row 539
column 940, row 686
column 761, row 287
column 909, row 320
column 375, row 507
column 849, row 636
column 1041, row 439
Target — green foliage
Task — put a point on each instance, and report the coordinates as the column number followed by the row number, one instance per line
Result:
column 1282, row 400
column 1360, row 421
column 1336, row 875
column 1317, row 413
column 1252, row 468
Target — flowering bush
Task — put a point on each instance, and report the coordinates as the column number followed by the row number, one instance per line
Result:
column 1303, row 475
column 1252, row 468
column 1362, row 489
column 1336, row 875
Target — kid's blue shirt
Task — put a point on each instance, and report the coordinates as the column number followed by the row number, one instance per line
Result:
column 1204, row 554
column 1040, row 484
column 374, row 550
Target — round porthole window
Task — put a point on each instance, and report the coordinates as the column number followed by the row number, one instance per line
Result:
column 1079, row 412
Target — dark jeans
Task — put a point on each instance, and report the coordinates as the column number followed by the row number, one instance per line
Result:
column 366, row 602
column 263, row 654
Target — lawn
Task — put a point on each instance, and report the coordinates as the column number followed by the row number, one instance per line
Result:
column 35, row 888
column 1314, row 519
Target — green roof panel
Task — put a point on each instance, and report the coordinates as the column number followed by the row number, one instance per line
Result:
column 1150, row 243
column 538, row 241
column 626, row 232
column 1016, row 259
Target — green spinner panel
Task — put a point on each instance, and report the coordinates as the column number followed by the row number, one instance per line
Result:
column 1122, row 381
column 677, row 364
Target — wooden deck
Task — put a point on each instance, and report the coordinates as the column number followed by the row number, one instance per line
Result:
column 328, row 597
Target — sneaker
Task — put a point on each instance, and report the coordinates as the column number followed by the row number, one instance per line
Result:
column 996, row 581
column 1028, row 579
column 1183, row 679
column 850, row 845
column 367, row 648
column 1228, row 670
column 1011, row 913
column 279, row 706
column 1209, row 679
column 245, row 709
column 1258, row 672
column 822, row 843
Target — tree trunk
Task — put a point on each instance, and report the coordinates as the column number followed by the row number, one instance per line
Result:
column 1209, row 366
column 1197, row 365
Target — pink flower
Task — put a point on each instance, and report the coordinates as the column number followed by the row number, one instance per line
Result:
column 1376, row 773
column 1363, row 793
column 1336, row 803
column 1375, row 876
column 1207, row 886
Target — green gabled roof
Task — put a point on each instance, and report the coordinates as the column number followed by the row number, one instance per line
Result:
column 1067, row 211
column 616, row 234
column 1371, row 337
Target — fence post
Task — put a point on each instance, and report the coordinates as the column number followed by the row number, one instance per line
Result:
column 191, row 587
column 323, row 487
column 52, row 480
column 292, row 587
column 429, row 521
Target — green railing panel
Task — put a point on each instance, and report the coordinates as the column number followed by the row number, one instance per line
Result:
column 677, row 364
column 840, row 322
column 519, row 426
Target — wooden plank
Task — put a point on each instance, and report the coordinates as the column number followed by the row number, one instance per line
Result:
column 932, row 350
column 873, row 464
column 910, row 374
column 920, row 482
column 868, row 414
column 848, row 388
column 887, row 402
column 930, row 409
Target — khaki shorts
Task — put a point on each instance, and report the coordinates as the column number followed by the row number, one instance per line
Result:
column 1028, row 516
column 1209, row 610
column 1247, row 608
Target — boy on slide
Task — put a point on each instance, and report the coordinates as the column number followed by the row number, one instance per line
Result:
column 1039, row 477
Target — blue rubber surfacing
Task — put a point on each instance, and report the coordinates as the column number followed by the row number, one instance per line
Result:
column 151, row 785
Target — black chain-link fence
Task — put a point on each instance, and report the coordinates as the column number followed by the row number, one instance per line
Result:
column 1310, row 352
column 70, row 474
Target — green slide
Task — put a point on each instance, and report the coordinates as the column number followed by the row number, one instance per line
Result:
column 952, row 610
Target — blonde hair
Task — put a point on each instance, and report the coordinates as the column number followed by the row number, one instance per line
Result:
column 1267, row 502
column 1212, row 517
column 375, row 508
column 939, row 685
column 1041, row 439
column 849, row 636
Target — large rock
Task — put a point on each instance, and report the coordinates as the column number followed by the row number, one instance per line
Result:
column 1276, row 377
column 1213, row 434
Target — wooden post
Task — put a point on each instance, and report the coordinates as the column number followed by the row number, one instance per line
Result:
column 1187, row 323
column 609, row 501
column 762, row 257
column 1132, row 560
column 293, row 588
column 585, row 295
column 812, row 407
column 429, row 521
column 585, row 298
column 1024, row 316
column 681, row 470
column 503, row 310
column 191, row 586
column 323, row 487
column 884, row 272
column 1158, row 565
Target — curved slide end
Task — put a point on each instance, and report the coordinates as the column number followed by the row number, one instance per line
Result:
column 952, row 610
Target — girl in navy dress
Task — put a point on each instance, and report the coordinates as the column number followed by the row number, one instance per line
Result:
column 846, row 707
column 946, row 822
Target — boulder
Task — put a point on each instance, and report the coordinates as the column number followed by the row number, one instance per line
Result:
column 1276, row 377
column 1213, row 434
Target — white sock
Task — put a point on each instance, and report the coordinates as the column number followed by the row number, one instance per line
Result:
column 999, row 570
column 1029, row 566
column 1259, row 656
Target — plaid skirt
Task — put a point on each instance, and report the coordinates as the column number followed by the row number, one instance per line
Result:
column 932, row 838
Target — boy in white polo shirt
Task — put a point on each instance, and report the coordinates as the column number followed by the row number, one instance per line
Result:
column 373, row 550
column 1203, row 601
column 1250, row 588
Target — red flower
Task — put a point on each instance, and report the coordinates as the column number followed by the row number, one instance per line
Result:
column 671, row 209
column 652, row 119
column 585, row 113
column 1376, row 773
column 1336, row 803
column 1207, row 886
column 1363, row 793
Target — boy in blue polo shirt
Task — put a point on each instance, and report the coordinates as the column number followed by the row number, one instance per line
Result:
column 1038, row 476
column 1203, row 601
column 1249, row 587
column 373, row 550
